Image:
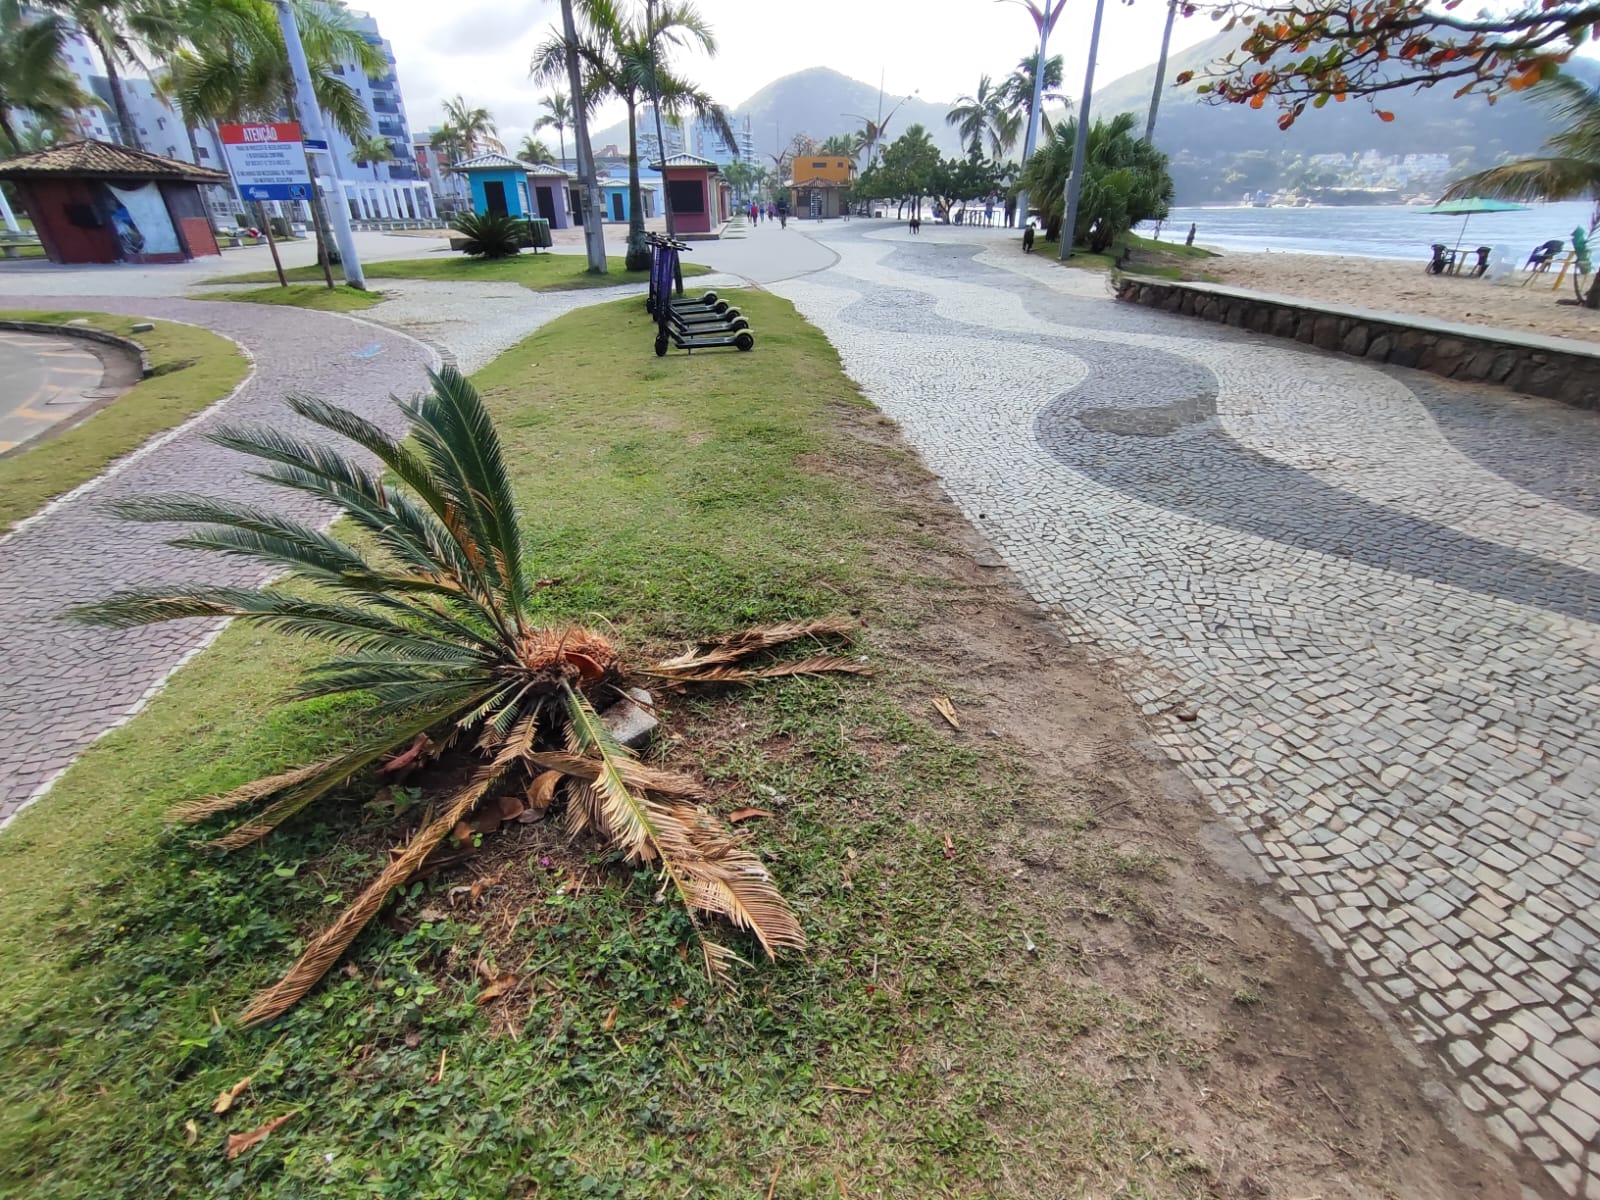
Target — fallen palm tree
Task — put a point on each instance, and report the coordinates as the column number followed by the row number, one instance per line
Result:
column 437, row 627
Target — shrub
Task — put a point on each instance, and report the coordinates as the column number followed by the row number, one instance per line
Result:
column 491, row 235
column 1125, row 180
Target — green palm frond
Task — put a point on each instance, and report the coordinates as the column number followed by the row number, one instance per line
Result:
column 1532, row 179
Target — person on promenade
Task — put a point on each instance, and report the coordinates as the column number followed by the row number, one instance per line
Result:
column 1189, row 241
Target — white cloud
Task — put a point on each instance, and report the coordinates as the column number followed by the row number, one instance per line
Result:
column 939, row 47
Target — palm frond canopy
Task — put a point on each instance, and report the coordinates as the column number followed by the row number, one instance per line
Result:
column 1569, row 169
column 434, row 625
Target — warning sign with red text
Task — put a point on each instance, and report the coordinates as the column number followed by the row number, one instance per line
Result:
column 268, row 162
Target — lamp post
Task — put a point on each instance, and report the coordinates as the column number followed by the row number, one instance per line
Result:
column 311, row 123
column 1081, row 146
column 1045, row 20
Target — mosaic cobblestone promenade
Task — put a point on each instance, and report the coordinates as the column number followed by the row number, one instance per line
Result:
column 65, row 684
column 1358, row 606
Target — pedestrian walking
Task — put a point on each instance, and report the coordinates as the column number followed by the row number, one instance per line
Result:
column 1189, row 241
column 988, row 212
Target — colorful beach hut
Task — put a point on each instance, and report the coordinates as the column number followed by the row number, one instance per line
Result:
column 696, row 193
column 499, row 184
column 95, row 202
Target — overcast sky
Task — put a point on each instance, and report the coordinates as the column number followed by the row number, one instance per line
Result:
column 481, row 48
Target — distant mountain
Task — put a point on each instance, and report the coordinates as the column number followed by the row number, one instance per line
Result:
column 1218, row 151
column 813, row 102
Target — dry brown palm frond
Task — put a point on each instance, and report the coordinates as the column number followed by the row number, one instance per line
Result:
column 327, row 947
column 191, row 812
column 705, row 861
column 821, row 664
column 298, row 787
column 634, row 773
column 735, row 646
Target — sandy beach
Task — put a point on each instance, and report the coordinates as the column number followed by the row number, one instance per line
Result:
column 1403, row 287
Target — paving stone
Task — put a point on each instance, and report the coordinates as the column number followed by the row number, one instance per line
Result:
column 1402, row 572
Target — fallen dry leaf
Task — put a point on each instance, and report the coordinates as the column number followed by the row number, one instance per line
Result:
column 482, row 885
column 745, row 814
column 543, row 790
column 500, row 987
column 949, row 847
column 226, row 1098
column 191, row 1133
column 610, row 1022
column 411, row 756
column 462, row 833
column 947, row 710
column 238, row 1143
column 509, row 806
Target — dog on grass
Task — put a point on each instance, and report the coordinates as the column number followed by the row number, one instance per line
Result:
column 1027, row 240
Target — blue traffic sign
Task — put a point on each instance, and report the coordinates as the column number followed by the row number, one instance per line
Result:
column 276, row 191
column 315, row 144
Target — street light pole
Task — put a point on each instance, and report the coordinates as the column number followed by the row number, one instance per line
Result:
column 311, row 126
column 1161, row 73
column 1045, row 21
column 1081, row 146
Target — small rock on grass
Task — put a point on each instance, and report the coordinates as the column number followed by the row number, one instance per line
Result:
column 632, row 719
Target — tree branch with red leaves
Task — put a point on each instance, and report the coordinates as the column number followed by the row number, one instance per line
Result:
column 1301, row 53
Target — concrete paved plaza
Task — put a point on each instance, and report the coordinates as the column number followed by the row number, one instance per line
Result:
column 1360, row 607
column 44, row 380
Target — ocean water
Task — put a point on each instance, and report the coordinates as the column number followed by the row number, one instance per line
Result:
column 1371, row 231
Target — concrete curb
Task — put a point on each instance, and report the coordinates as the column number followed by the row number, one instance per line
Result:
column 87, row 334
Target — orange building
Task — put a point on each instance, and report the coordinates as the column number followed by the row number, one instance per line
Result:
column 820, row 184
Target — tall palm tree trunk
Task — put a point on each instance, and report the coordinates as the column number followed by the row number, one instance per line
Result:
column 129, row 133
column 638, row 257
column 561, row 136
column 9, row 130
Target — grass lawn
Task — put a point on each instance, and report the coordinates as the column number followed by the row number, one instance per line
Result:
column 543, row 272
column 1163, row 260
column 341, row 298
column 191, row 369
column 922, row 1047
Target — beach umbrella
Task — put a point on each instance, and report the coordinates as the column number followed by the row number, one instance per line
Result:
column 1466, row 206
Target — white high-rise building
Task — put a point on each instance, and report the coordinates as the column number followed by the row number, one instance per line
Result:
column 383, row 191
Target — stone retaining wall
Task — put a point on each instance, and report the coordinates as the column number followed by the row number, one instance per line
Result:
column 88, row 334
column 1555, row 368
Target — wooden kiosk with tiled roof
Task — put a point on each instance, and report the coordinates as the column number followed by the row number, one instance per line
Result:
column 95, row 202
column 699, row 198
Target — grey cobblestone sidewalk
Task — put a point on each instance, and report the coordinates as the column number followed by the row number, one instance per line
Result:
column 1357, row 606
column 65, row 684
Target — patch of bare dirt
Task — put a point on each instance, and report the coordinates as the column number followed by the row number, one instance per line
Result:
column 1237, row 1039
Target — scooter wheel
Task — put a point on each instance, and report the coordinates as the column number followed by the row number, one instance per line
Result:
column 661, row 347
column 720, row 306
column 740, row 323
column 745, row 341
column 733, row 314
column 710, row 297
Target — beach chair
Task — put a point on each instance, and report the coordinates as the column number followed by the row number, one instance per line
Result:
column 1539, row 260
column 1440, row 262
column 1482, row 264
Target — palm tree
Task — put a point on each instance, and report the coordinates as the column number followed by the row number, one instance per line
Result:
column 474, row 127
column 1125, row 179
column 32, row 79
column 557, row 115
column 1018, row 87
column 620, row 60
column 533, row 150
column 987, row 115
column 437, row 626
column 116, row 29
column 237, row 68
column 839, row 143
column 370, row 151
column 1569, row 169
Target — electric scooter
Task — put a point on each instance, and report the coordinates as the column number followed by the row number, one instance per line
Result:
column 691, row 338
column 704, row 308
column 690, row 318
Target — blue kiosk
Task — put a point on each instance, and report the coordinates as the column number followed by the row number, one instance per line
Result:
column 501, row 184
